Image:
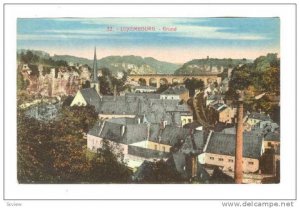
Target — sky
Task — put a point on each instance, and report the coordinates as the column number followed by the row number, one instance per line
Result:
column 175, row 40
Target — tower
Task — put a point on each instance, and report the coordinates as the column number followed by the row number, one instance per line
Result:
column 238, row 166
column 94, row 81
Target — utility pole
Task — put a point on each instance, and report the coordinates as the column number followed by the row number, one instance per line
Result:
column 238, row 166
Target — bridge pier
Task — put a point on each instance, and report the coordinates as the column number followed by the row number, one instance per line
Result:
column 147, row 81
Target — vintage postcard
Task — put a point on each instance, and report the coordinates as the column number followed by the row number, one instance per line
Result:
column 148, row 100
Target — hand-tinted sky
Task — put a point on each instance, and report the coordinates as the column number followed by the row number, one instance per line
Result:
column 193, row 38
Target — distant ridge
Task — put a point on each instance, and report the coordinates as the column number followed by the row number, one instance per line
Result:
column 214, row 65
column 130, row 63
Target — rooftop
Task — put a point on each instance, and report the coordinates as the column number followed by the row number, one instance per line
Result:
column 259, row 116
column 272, row 136
column 91, row 96
column 224, row 144
column 146, row 87
column 125, row 134
column 176, row 90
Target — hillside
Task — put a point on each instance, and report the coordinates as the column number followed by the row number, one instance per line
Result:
column 198, row 66
column 134, row 64
column 73, row 59
column 41, row 54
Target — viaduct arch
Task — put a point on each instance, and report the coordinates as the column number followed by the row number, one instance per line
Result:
column 158, row 79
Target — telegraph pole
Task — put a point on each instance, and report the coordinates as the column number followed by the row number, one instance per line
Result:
column 238, row 166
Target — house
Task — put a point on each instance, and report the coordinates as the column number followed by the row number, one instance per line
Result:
column 163, row 138
column 272, row 141
column 220, row 151
column 175, row 93
column 145, row 89
column 138, row 155
column 140, row 141
column 129, row 135
column 255, row 118
column 268, row 125
column 270, row 160
column 186, row 119
column 87, row 96
column 184, row 157
column 117, row 107
column 183, row 165
column 131, row 105
column 180, row 166
column 43, row 112
column 117, row 133
column 222, row 113
column 214, row 98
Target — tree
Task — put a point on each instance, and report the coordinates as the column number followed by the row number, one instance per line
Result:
column 108, row 165
column 263, row 75
column 108, row 82
column 162, row 88
column 119, row 83
column 69, row 161
column 157, row 172
column 87, row 84
column 22, row 84
column 32, row 151
column 78, row 119
column 271, row 80
column 193, row 84
column 55, row 151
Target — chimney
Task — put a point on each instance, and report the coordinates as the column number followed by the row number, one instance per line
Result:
column 194, row 165
column 238, row 166
column 122, row 130
column 115, row 93
column 148, row 131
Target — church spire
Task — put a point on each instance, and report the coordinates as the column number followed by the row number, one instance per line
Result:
column 95, row 81
column 95, row 77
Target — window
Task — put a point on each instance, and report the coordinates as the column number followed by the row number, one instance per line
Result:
column 211, row 158
column 250, row 163
column 164, row 149
column 269, row 144
column 190, row 120
column 230, row 160
column 155, row 147
column 221, row 159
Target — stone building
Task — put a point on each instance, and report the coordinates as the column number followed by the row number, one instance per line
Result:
column 220, row 151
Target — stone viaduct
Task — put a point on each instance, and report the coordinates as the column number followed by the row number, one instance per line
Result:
column 158, row 79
